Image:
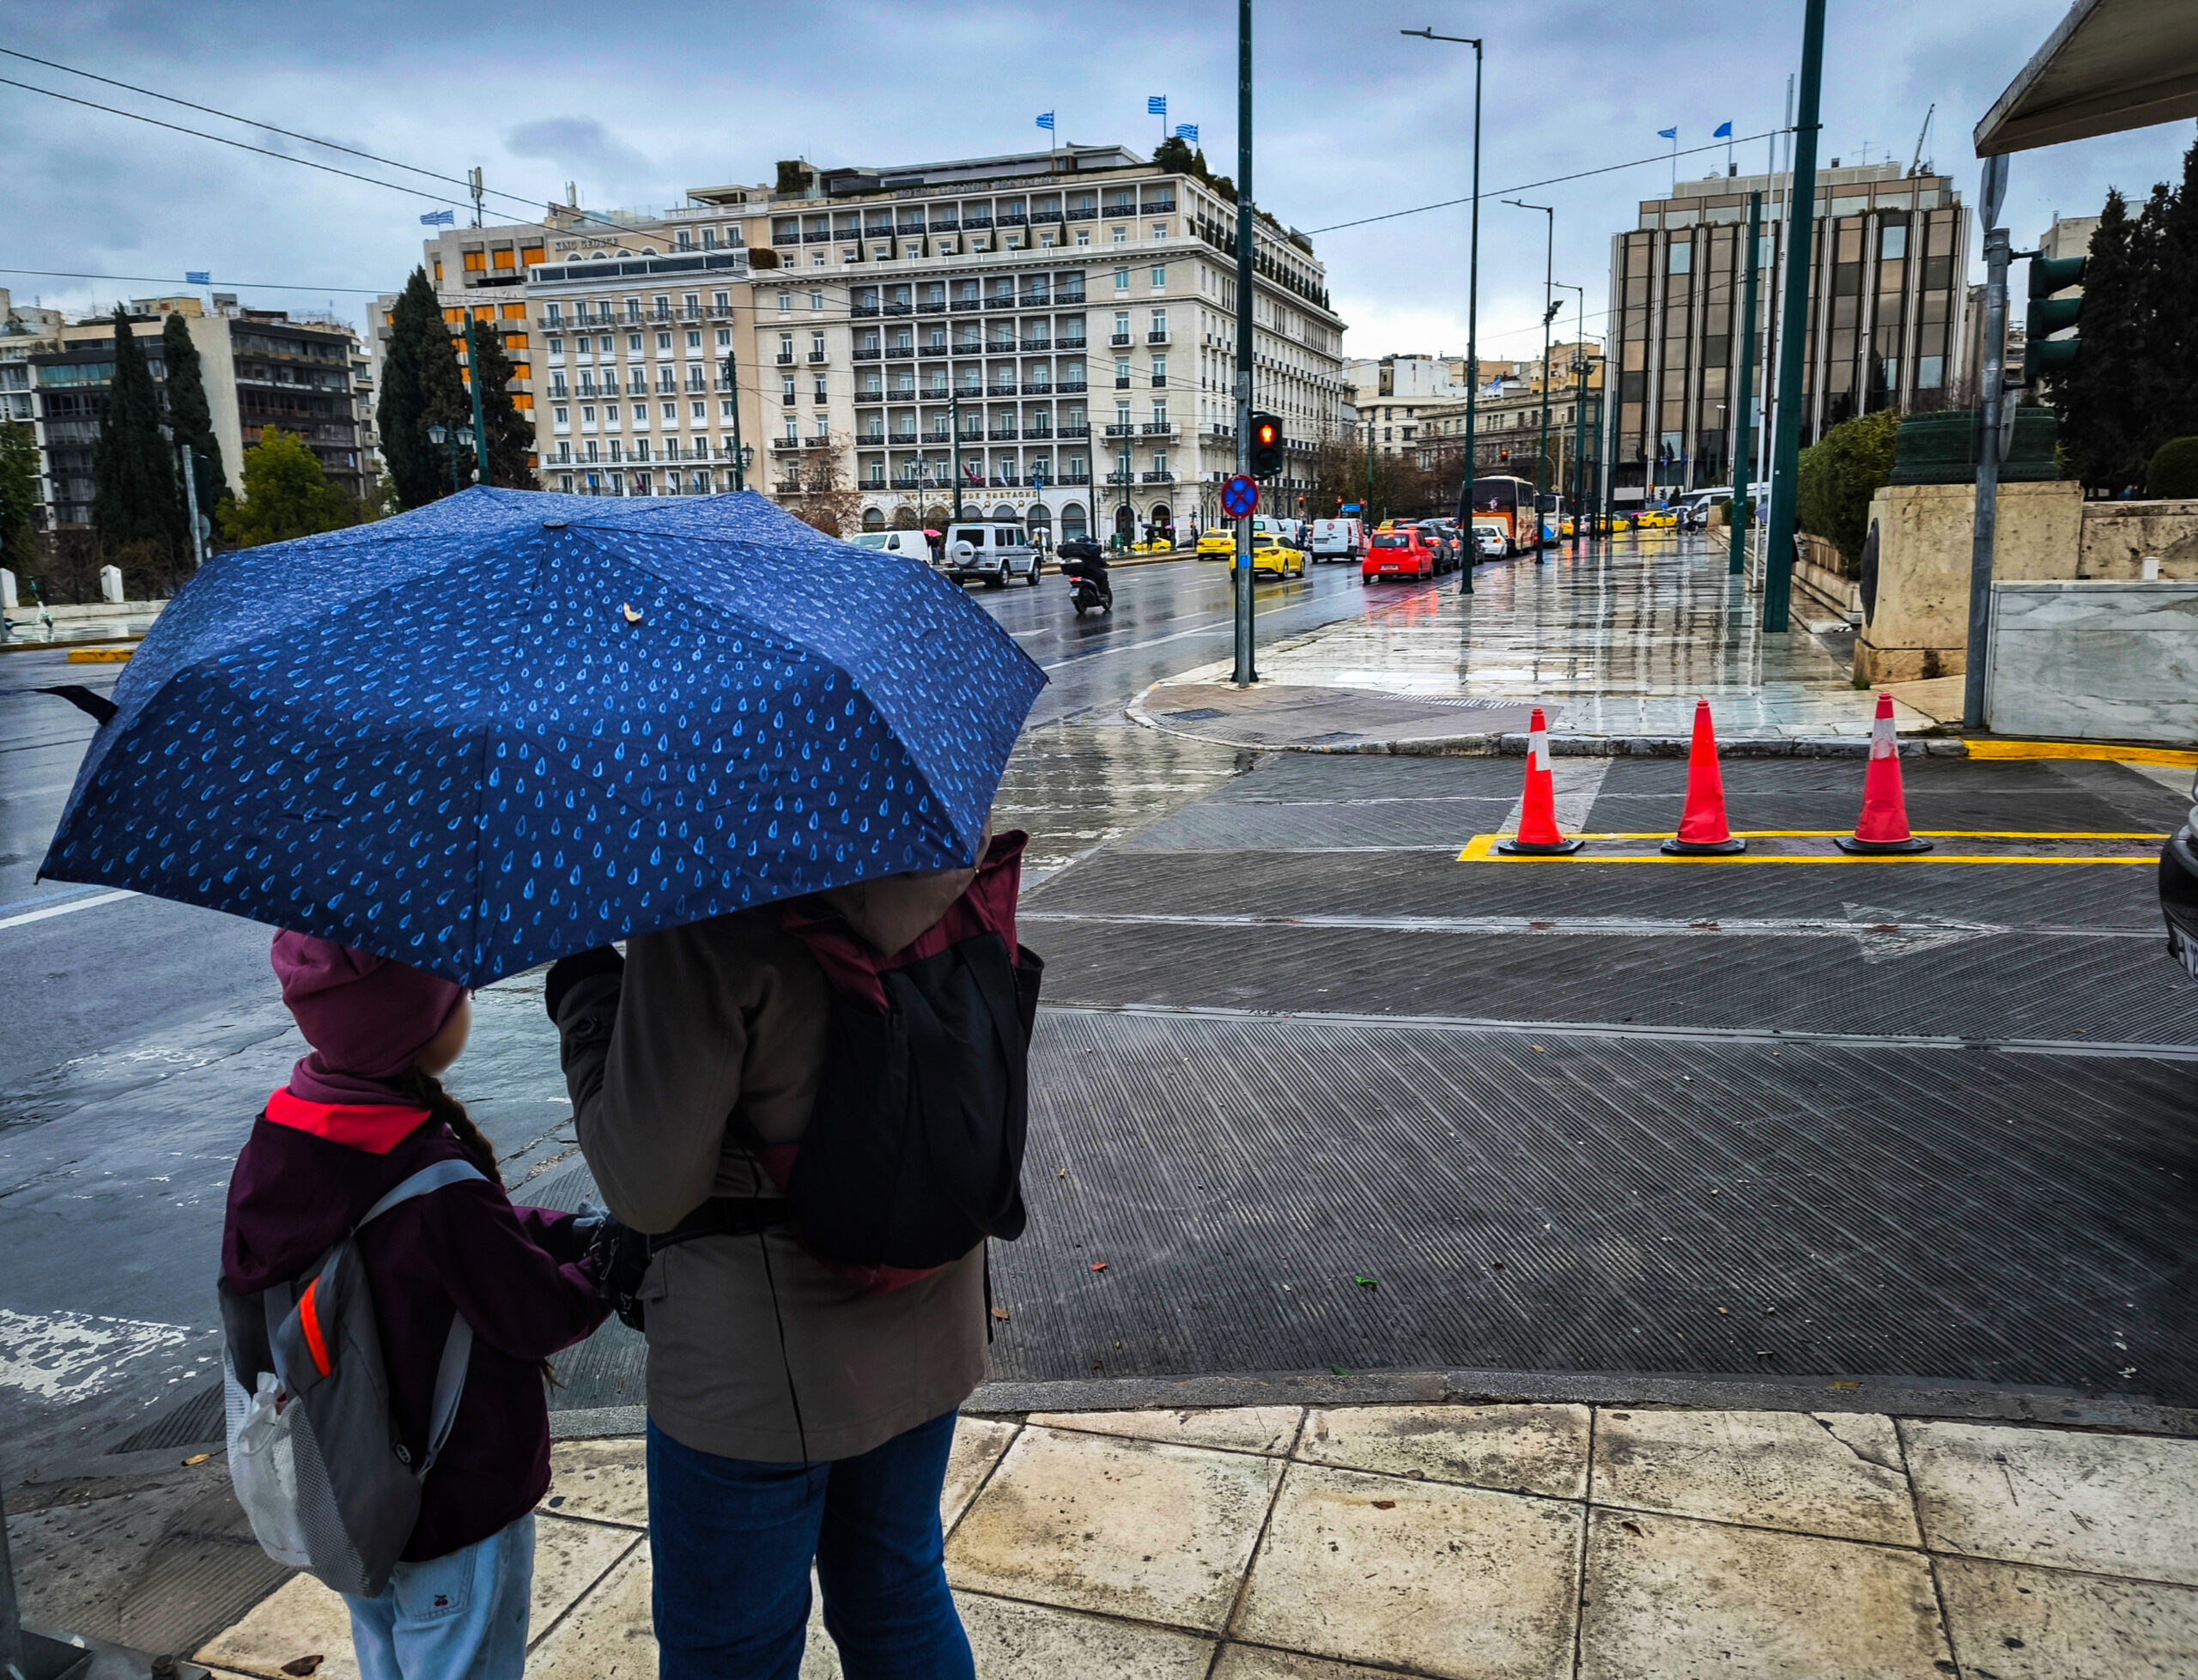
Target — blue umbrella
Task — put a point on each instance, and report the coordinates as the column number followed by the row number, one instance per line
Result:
column 511, row 725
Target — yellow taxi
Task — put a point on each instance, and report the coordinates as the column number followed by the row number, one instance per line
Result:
column 1217, row 544
column 1271, row 554
column 1656, row 518
column 1159, row 545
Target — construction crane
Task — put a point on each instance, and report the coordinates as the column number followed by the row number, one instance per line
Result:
column 1921, row 135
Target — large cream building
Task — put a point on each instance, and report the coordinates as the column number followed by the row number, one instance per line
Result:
column 1061, row 321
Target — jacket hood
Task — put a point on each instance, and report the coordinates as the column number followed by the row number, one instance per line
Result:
column 294, row 1194
column 891, row 910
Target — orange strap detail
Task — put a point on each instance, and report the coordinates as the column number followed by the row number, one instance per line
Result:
column 309, row 1321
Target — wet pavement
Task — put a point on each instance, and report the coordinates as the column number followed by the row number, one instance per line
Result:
column 1858, row 1122
column 1617, row 639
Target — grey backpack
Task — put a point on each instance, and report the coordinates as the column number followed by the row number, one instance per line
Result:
column 313, row 1447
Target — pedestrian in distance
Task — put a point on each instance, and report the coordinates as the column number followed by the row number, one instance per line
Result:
column 817, row 1311
column 471, row 1295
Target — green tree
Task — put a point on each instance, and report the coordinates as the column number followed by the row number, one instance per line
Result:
column 421, row 387
column 511, row 439
column 286, row 494
column 2172, row 473
column 18, row 499
column 2100, row 402
column 136, row 503
column 190, row 420
column 1839, row 475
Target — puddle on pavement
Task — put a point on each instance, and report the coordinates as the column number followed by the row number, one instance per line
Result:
column 1077, row 785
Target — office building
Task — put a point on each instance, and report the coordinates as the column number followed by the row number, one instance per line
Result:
column 1887, row 326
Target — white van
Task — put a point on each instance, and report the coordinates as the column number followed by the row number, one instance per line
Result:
column 1338, row 539
column 910, row 543
column 994, row 552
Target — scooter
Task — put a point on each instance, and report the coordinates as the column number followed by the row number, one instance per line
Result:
column 1086, row 569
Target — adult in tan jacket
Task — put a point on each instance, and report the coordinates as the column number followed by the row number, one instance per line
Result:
column 791, row 1417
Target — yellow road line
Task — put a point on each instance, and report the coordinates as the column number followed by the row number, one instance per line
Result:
column 98, row 656
column 1481, row 848
column 2081, row 750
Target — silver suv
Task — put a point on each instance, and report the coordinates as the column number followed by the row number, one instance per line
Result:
column 996, row 552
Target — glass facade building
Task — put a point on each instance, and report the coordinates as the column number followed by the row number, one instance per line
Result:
column 1887, row 328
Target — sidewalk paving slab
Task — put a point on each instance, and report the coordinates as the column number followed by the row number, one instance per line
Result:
column 1706, row 1542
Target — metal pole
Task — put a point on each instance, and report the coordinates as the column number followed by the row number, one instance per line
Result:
column 473, row 385
column 732, row 385
column 1997, row 255
column 191, row 506
column 1245, row 674
column 1743, row 450
column 953, row 415
column 450, row 444
column 1469, row 553
column 1800, row 234
column 11, row 1624
column 1541, row 457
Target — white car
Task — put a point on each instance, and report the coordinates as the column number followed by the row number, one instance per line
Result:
column 908, row 543
column 994, row 552
column 1489, row 542
column 1338, row 539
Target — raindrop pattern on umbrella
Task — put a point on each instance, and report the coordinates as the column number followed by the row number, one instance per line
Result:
column 446, row 738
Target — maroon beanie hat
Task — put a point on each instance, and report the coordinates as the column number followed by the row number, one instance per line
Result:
column 363, row 1014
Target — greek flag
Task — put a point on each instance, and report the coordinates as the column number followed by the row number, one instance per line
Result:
column 1045, row 119
column 1722, row 132
column 440, row 219
column 1156, row 105
column 1668, row 134
column 1188, row 132
column 197, row 278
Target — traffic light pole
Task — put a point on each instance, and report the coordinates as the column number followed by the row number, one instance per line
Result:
column 1997, row 257
column 1744, row 401
column 473, row 385
column 1245, row 674
column 1794, row 322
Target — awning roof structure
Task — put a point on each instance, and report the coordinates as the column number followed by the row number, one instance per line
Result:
column 2111, row 66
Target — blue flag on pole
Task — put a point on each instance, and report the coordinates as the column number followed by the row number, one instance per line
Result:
column 440, row 219
column 197, row 278
column 1722, row 132
column 1188, row 132
column 1156, row 105
column 1668, row 134
column 1045, row 119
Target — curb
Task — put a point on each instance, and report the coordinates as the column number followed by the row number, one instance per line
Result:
column 1898, row 1396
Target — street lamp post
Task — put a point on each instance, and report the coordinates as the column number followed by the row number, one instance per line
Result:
column 1472, row 332
column 1793, row 324
column 1245, row 673
column 443, row 435
column 1575, row 481
column 740, row 454
column 1549, row 262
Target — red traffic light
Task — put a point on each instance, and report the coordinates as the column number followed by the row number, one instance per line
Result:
column 1267, row 434
column 1267, row 449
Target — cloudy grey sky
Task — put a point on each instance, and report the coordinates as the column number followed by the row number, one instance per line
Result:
column 637, row 103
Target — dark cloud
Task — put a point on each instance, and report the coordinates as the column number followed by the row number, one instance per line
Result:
column 578, row 142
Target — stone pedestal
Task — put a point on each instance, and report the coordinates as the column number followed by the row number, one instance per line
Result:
column 1916, row 624
column 111, row 584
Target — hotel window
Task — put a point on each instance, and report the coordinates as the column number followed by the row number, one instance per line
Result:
column 701, row 412
column 725, row 410
column 786, row 303
column 664, row 343
column 561, row 416
column 724, row 338
column 671, row 414
column 633, row 309
column 556, row 349
column 1160, row 277
column 1083, row 236
column 633, row 343
column 695, row 340
column 587, row 414
column 1159, row 230
column 722, row 300
column 1121, row 236
column 817, row 302
column 1121, row 276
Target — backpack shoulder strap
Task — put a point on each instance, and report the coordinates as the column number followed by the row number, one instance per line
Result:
column 457, row 1347
column 427, row 1178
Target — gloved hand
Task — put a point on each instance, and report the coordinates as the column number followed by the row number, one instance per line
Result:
column 567, row 972
column 618, row 1257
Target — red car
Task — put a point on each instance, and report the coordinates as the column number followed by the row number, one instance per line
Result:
column 1398, row 554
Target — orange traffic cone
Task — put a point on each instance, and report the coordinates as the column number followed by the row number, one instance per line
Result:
column 1702, row 829
column 1538, row 835
column 1884, row 824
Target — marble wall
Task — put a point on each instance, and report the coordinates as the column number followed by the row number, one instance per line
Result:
column 2118, row 535
column 2095, row 660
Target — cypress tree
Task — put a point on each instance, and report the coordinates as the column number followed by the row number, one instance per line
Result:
column 2174, row 383
column 135, row 499
column 191, row 419
column 2099, row 401
column 422, row 386
column 511, row 439
column 18, row 499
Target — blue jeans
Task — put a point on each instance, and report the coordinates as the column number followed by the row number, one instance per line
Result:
column 459, row 1616
column 733, row 1541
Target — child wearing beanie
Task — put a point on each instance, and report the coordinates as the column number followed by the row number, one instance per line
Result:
column 360, row 1114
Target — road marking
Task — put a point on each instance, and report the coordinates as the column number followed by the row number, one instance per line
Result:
column 1481, row 849
column 1607, row 1029
column 2081, row 750
column 73, row 1356
column 1880, row 933
column 69, row 908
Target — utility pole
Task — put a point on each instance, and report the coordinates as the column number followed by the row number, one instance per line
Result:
column 1800, row 234
column 473, row 385
column 953, row 415
column 1997, row 255
column 1743, row 450
column 473, row 186
column 1549, row 267
column 1469, row 553
column 1575, row 479
column 1245, row 674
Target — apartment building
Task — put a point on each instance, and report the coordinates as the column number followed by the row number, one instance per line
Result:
column 1411, row 404
column 1050, row 334
column 1887, row 322
column 261, row 367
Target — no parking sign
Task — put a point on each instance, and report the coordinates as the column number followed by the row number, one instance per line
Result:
column 1239, row 497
